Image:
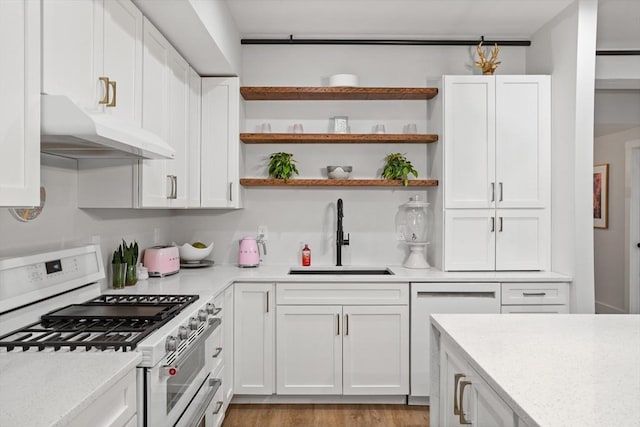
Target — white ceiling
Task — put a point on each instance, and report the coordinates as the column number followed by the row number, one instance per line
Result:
column 619, row 20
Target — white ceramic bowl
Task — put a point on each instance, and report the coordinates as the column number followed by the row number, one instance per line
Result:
column 190, row 254
column 343, row 80
column 339, row 172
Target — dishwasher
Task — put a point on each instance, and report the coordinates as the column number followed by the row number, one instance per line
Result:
column 428, row 298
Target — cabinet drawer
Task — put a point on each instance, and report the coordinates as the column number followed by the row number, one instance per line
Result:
column 535, row 293
column 342, row 293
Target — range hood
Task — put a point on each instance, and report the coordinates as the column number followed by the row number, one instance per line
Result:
column 67, row 130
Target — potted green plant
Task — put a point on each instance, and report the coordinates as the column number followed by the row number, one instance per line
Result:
column 282, row 166
column 398, row 167
column 130, row 256
column 118, row 269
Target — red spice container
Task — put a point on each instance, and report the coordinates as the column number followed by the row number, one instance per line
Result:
column 306, row 256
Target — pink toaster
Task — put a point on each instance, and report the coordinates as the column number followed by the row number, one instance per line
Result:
column 162, row 260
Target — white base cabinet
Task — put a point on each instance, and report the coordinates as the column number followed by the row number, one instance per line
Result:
column 354, row 349
column 465, row 398
column 254, row 338
column 20, row 105
column 535, row 298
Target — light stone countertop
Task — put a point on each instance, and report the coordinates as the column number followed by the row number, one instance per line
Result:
column 213, row 280
column 555, row 370
column 50, row 389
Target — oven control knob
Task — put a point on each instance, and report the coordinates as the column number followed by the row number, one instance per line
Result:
column 194, row 323
column 202, row 315
column 171, row 344
column 183, row 332
column 211, row 307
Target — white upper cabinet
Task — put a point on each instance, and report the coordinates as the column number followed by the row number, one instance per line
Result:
column 220, row 146
column 92, row 53
column 164, row 183
column 497, row 136
column 469, row 135
column 20, row 104
column 195, row 120
column 523, row 141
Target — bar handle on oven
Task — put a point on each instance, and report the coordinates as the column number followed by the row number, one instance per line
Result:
column 217, row 353
column 219, row 404
column 214, row 384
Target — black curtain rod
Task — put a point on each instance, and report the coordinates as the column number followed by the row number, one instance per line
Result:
column 617, row 52
column 385, row 42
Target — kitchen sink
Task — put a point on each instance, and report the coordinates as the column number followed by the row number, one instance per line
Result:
column 343, row 271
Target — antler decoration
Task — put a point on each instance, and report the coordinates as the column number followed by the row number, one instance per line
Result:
column 488, row 66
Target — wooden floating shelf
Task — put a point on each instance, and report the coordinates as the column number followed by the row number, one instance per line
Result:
column 336, row 138
column 323, row 182
column 303, row 93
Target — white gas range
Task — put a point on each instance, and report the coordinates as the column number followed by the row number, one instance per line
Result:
column 51, row 302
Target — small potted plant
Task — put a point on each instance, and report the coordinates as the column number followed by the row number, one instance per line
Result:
column 398, row 167
column 118, row 269
column 282, row 166
column 130, row 256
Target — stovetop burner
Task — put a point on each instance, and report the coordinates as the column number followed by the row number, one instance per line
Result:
column 116, row 322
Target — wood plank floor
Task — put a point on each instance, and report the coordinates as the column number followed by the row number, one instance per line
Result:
column 307, row 415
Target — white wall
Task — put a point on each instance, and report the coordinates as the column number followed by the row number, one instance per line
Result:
column 62, row 224
column 565, row 48
column 308, row 214
column 617, row 120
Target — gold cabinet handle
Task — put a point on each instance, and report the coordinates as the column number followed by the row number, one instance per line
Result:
column 105, row 98
column 456, row 379
column 463, row 419
column 113, row 98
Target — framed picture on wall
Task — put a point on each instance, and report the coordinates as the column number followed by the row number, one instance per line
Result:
column 601, row 195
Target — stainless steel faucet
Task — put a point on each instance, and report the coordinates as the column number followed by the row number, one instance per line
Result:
column 340, row 239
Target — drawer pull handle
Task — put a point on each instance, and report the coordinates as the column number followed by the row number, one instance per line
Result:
column 217, row 353
column 456, row 380
column 463, row 419
column 218, row 407
column 534, row 294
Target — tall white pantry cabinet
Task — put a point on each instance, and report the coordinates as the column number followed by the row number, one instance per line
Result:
column 497, row 141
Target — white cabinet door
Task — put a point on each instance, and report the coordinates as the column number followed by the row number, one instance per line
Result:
column 470, row 239
column 155, row 180
column 430, row 298
column 254, row 355
column 453, row 376
column 227, row 379
column 486, row 408
column 309, row 349
column 20, row 104
column 522, row 239
column 179, row 107
column 376, row 350
column 220, row 143
column 523, row 141
column 72, row 59
column 195, row 119
column 122, row 53
column 469, row 141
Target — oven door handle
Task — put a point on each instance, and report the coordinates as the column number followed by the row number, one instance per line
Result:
column 173, row 368
column 214, row 385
